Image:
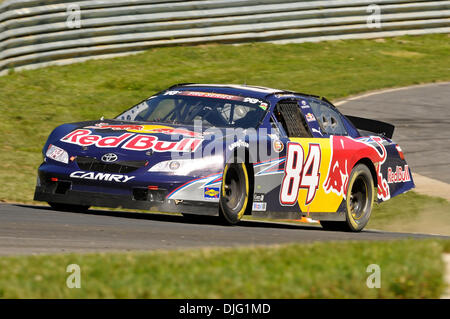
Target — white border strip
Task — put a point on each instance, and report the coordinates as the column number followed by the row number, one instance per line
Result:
column 376, row 92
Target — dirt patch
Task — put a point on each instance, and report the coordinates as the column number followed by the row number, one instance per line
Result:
column 431, row 187
column 403, row 54
column 429, row 222
column 446, row 258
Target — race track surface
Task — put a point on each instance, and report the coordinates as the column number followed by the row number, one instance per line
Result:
column 31, row 229
column 421, row 115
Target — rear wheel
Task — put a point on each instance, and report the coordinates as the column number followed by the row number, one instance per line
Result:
column 359, row 201
column 68, row 207
column 234, row 197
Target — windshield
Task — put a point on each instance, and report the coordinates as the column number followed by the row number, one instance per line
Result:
column 185, row 107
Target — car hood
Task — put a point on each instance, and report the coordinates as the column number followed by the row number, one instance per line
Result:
column 128, row 140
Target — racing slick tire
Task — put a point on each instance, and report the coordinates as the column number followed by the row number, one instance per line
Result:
column 68, row 207
column 358, row 202
column 235, row 193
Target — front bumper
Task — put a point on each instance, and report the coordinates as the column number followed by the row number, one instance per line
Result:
column 54, row 185
column 122, row 201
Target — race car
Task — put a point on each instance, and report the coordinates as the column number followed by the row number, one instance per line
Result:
column 227, row 151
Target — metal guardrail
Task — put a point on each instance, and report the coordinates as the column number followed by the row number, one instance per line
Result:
column 35, row 33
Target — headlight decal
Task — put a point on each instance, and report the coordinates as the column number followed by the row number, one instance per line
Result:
column 57, row 154
column 187, row 166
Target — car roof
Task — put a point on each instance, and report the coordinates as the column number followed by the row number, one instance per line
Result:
column 253, row 91
column 233, row 89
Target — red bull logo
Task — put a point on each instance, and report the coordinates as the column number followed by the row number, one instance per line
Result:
column 339, row 171
column 399, row 176
column 131, row 141
column 145, row 129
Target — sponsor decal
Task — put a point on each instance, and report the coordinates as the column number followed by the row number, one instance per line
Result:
column 107, row 177
column 211, row 192
column 339, row 169
column 310, row 117
column 399, row 176
column 213, row 95
column 109, row 158
column 303, row 105
column 131, row 141
column 285, row 95
column 190, row 190
column 206, row 94
column 258, row 197
column 278, row 146
column 115, row 127
column 239, row 143
column 260, row 207
column 144, row 129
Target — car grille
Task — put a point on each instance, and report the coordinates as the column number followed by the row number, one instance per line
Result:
column 93, row 164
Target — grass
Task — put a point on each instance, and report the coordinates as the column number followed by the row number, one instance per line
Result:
column 409, row 269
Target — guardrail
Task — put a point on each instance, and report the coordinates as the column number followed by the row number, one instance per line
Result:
column 35, row 33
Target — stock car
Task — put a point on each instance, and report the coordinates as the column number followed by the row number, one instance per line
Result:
column 227, row 151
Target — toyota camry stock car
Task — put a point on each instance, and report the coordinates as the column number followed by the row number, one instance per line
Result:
column 227, row 150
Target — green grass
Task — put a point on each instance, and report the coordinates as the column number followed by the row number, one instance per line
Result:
column 32, row 103
column 409, row 269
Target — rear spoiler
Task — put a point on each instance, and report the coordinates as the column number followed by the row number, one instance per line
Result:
column 374, row 126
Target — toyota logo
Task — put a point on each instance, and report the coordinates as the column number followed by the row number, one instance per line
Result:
column 109, row 158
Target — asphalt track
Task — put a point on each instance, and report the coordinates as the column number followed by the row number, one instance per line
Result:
column 31, row 229
column 421, row 116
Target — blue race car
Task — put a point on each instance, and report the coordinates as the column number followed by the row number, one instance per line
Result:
column 227, row 150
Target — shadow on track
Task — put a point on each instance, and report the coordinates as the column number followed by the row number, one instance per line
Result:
column 200, row 220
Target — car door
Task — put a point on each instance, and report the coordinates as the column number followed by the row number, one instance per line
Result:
column 308, row 155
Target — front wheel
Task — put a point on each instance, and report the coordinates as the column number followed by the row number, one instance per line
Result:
column 234, row 193
column 359, row 201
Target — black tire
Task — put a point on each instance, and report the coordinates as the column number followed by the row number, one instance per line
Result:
column 234, row 198
column 69, row 207
column 359, row 202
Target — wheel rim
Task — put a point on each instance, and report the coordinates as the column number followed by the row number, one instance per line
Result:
column 234, row 189
column 359, row 198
